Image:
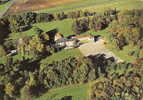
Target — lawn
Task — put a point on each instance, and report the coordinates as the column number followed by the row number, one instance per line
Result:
column 64, row 27
column 62, row 55
column 78, row 92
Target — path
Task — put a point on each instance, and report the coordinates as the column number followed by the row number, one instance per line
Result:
column 94, row 48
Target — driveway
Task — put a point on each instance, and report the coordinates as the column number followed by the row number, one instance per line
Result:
column 98, row 47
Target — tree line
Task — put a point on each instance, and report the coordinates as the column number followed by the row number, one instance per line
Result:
column 127, row 30
column 124, row 81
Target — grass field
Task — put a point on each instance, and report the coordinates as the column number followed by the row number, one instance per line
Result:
column 52, row 5
column 78, row 92
column 30, row 5
column 62, row 55
column 96, row 5
column 73, row 6
column 21, row 34
column 64, row 27
column 118, row 4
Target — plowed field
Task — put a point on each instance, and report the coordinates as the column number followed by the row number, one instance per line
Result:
column 30, row 5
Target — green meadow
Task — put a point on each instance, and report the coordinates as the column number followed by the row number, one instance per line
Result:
column 77, row 92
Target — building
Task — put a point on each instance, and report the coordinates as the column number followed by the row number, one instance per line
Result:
column 58, row 36
column 66, row 43
column 83, row 37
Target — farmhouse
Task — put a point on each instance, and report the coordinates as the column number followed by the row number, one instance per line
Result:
column 58, row 36
column 66, row 43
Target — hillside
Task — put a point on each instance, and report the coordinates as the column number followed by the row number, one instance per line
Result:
column 71, row 50
column 58, row 6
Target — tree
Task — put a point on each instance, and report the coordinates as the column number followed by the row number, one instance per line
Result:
column 9, row 89
column 2, row 51
column 80, row 26
column 25, row 93
column 38, row 30
column 61, row 16
column 44, row 17
column 30, row 47
column 31, row 81
column 22, row 22
column 4, row 29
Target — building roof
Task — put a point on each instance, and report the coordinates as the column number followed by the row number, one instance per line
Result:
column 64, row 40
column 59, row 35
column 83, row 36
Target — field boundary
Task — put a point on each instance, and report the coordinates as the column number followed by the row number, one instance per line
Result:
column 3, row 13
column 75, row 7
column 61, row 8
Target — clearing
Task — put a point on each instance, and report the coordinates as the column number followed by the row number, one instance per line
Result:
column 64, row 27
column 62, row 55
column 98, row 47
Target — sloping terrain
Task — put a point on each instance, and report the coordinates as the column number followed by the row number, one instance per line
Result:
column 68, row 5
column 27, row 5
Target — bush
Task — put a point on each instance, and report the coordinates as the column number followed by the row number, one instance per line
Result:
column 123, row 82
column 25, row 93
column 81, row 25
column 17, row 22
column 2, row 51
column 44, row 17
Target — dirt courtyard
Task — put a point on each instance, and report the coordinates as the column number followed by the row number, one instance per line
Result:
column 98, row 47
column 30, row 5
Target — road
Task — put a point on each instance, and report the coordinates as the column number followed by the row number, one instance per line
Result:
column 94, row 48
